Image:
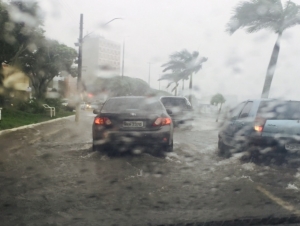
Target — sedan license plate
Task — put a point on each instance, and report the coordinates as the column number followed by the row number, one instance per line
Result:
column 133, row 124
column 292, row 146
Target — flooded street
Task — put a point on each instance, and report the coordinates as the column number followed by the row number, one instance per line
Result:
column 51, row 177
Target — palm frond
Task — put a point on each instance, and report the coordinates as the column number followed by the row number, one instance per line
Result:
column 291, row 15
column 169, row 84
column 182, row 64
column 256, row 15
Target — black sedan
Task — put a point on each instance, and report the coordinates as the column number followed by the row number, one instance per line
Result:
column 124, row 123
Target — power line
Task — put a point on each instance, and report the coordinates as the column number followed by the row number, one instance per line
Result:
column 67, row 11
column 70, row 7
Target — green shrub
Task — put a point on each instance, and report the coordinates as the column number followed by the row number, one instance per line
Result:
column 31, row 106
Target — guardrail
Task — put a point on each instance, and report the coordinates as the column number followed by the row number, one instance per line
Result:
column 51, row 109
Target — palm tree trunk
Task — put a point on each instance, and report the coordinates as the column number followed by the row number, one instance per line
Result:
column 271, row 68
column 191, row 87
column 182, row 84
column 219, row 113
column 176, row 90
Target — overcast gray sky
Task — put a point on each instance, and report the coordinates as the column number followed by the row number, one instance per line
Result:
column 154, row 29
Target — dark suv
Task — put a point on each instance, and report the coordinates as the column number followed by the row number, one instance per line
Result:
column 262, row 122
column 180, row 108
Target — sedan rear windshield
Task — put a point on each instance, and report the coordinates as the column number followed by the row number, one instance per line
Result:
column 138, row 104
column 280, row 110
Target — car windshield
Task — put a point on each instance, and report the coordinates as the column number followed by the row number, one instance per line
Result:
column 131, row 104
column 149, row 112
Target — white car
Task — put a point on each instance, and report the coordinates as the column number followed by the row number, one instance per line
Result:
column 64, row 102
column 83, row 106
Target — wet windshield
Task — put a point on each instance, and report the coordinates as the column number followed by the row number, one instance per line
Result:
column 172, row 102
column 131, row 104
column 143, row 112
column 280, row 110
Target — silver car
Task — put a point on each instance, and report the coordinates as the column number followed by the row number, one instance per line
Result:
column 263, row 123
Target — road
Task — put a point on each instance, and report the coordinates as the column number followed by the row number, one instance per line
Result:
column 50, row 176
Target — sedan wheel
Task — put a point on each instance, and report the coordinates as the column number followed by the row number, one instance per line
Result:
column 223, row 150
column 169, row 148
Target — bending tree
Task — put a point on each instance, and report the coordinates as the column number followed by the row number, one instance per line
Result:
column 216, row 100
column 183, row 65
column 255, row 15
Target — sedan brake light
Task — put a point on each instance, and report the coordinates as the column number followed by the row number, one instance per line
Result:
column 102, row 121
column 259, row 124
column 162, row 121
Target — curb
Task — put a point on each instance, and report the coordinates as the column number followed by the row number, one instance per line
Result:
column 33, row 125
column 42, row 137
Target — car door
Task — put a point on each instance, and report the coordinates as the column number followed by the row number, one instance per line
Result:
column 228, row 128
column 244, row 123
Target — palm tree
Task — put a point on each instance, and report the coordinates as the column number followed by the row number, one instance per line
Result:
column 255, row 15
column 183, row 65
column 216, row 100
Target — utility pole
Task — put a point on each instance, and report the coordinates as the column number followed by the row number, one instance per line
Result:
column 123, row 58
column 149, row 74
column 79, row 86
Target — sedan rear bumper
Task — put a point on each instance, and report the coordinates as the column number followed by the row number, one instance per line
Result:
column 133, row 138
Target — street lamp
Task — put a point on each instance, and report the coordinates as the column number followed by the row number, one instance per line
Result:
column 79, row 44
column 118, row 18
column 149, row 74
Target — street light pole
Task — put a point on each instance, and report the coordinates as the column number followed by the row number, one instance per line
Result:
column 149, row 74
column 79, row 68
column 123, row 58
column 79, row 44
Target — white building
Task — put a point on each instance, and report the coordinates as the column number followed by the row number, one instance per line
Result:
column 100, row 58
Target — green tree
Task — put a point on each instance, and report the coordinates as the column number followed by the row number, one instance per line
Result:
column 216, row 100
column 21, row 26
column 182, row 65
column 49, row 60
column 255, row 15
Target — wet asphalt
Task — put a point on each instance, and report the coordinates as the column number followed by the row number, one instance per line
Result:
column 50, row 176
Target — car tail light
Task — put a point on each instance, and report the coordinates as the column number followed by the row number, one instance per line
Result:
column 102, row 121
column 162, row 121
column 167, row 121
column 259, row 124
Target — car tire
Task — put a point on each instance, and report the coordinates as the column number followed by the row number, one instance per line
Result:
column 223, row 149
column 95, row 147
column 100, row 148
column 168, row 148
column 111, row 151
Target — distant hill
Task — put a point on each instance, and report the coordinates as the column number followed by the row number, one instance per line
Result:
column 126, row 86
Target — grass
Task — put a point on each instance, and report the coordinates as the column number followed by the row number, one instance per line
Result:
column 13, row 118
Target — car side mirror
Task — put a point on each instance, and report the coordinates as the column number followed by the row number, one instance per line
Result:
column 234, row 118
column 169, row 112
column 244, row 115
column 96, row 111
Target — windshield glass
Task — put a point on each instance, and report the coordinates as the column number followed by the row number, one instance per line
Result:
column 134, row 104
column 140, row 112
column 280, row 110
column 175, row 102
